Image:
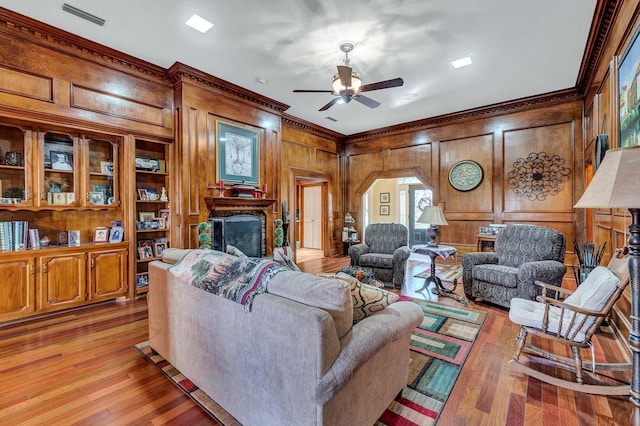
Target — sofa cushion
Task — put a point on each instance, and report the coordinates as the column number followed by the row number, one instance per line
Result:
column 376, row 260
column 595, row 291
column 173, row 255
column 505, row 276
column 366, row 299
column 331, row 295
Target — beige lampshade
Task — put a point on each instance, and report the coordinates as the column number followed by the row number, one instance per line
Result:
column 615, row 184
column 432, row 215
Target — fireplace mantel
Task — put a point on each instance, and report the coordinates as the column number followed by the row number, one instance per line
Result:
column 237, row 203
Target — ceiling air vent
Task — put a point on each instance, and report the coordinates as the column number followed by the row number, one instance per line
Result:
column 82, row 14
column 331, row 118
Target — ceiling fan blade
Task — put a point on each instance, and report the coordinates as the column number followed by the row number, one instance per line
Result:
column 312, row 91
column 367, row 101
column 345, row 75
column 330, row 104
column 396, row 82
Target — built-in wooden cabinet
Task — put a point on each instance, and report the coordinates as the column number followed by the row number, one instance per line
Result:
column 17, row 291
column 61, row 281
column 153, row 218
column 107, row 277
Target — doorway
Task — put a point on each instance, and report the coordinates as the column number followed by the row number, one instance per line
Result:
column 310, row 218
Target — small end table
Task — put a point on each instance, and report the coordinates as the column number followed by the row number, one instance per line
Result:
column 433, row 252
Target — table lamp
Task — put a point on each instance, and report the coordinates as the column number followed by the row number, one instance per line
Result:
column 614, row 186
column 434, row 216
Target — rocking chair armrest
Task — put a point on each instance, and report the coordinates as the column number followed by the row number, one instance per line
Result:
column 565, row 292
column 568, row 307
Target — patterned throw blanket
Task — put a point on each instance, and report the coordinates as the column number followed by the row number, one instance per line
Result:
column 238, row 279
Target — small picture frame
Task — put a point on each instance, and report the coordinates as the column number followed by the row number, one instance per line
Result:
column 142, row 194
column 142, row 280
column 116, row 234
column 165, row 214
column 145, row 243
column 159, row 248
column 106, row 167
column 96, row 197
column 385, row 197
column 145, row 216
column 59, row 198
column 101, row 234
column 70, row 197
column 63, row 238
column 384, row 210
column 61, row 160
column 162, row 223
column 73, row 238
column 145, row 252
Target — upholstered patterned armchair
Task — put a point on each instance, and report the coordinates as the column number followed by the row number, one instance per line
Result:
column 384, row 250
column 523, row 254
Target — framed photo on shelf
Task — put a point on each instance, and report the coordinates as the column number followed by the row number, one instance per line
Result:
column 73, row 237
column 145, row 252
column 116, row 235
column 144, row 216
column 159, row 248
column 145, row 243
column 238, row 153
column 142, row 280
column 63, row 238
column 106, row 167
column 162, row 223
column 142, row 194
column 385, row 197
column 164, row 214
column 96, row 197
column 61, row 160
column 101, row 234
column 384, row 210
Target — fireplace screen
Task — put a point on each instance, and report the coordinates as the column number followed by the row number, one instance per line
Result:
column 241, row 231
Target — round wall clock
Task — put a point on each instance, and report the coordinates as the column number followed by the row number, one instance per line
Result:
column 465, row 175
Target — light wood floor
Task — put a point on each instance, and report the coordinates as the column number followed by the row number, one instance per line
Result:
column 80, row 368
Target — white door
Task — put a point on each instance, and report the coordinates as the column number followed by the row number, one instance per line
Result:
column 312, row 211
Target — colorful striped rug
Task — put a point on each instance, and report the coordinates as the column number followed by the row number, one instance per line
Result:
column 439, row 348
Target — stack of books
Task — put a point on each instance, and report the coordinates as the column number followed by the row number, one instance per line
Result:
column 16, row 235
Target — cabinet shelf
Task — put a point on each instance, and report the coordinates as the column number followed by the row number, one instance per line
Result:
column 148, row 259
column 7, row 167
column 149, row 172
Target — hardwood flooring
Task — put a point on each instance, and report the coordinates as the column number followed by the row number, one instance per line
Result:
column 80, row 368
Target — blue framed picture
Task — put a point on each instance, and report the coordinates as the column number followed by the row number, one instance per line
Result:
column 238, row 154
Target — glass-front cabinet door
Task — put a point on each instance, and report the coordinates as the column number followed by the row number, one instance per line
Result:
column 101, row 184
column 60, row 164
column 15, row 172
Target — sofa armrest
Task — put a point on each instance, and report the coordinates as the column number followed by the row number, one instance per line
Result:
column 357, row 250
column 547, row 271
column 401, row 254
column 365, row 339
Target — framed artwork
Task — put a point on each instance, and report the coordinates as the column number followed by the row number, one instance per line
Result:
column 73, row 238
column 144, row 243
column 162, row 223
column 465, row 175
column 384, row 210
column 629, row 133
column 106, row 167
column 61, row 160
column 238, row 154
column 116, row 235
column 142, row 194
column 164, row 214
column 101, row 234
column 96, row 197
column 385, row 197
column 63, row 238
column 159, row 248
column 144, row 216
column 142, row 280
column 145, row 252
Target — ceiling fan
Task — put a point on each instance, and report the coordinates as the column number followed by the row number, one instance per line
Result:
column 347, row 84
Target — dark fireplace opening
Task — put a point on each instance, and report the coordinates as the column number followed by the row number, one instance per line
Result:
column 243, row 231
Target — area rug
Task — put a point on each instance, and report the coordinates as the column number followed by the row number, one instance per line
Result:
column 439, row 348
column 445, row 273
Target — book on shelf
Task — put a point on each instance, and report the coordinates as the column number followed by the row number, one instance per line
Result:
column 14, row 235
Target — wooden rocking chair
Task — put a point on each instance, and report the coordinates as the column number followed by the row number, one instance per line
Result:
column 573, row 321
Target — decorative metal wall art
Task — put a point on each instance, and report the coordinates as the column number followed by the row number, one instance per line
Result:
column 538, row 176
column 465, row 175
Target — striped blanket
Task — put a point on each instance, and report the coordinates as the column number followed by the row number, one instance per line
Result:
column 238, row 279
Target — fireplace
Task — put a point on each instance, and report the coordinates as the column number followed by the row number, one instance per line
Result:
column 243, row 231
column 240, row 222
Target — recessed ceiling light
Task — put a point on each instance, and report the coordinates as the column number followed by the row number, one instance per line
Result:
column 262, row 80
column 198, row 23
column 462, row 62
column 409, row 96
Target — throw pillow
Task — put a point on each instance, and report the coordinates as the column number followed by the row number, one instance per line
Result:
column 366, row 299
column 234, row 251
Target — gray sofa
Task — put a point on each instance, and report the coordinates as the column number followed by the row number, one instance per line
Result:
column 384, row 250
column 523, row 254
column 294, row 359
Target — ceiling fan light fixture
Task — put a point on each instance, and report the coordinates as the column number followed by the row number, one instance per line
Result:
column 338, row 87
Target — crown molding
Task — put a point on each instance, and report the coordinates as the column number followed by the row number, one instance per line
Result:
column 29, row 29
column 291, row 121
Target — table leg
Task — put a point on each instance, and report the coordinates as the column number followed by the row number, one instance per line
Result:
column 439, row 288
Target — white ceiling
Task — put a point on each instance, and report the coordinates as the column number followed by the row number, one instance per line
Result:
column 519, row 48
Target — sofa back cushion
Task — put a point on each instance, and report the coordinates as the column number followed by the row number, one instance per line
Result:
column 334, row 296
column 518, row 244
column 385, row 237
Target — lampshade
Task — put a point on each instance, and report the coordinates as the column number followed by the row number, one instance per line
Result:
column 356, row 82
column 432, row 215
column 615, row 183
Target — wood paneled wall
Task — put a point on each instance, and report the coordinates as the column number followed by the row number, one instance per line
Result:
column 549, row 124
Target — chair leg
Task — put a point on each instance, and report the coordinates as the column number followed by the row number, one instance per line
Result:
column 522, row 338
column 577, row 359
